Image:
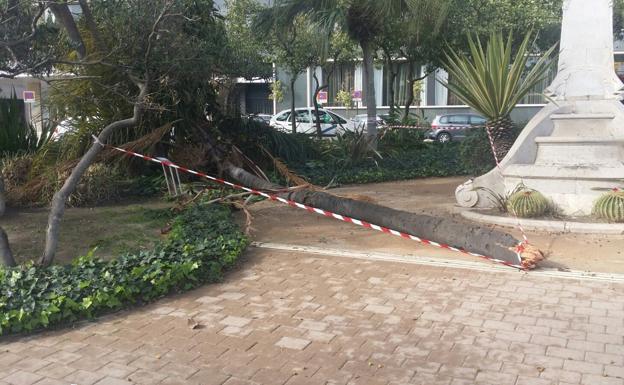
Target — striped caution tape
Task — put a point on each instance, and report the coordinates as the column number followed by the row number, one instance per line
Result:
column 315, row 210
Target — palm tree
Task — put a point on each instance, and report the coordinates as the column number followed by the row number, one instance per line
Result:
column 491, row 84
column 362, row 20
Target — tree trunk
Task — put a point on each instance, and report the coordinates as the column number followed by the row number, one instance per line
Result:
column 501, row 133
column 293, row 119
column 392, row 75
column 57, row 208
column 6, row 255
column 369, row 91
column 409, row 98
column 475, row 238
column 319, row 88
column 92, row 26
column 63, row 15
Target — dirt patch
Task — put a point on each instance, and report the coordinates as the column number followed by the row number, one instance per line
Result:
column 112, row 229
column 435, row 196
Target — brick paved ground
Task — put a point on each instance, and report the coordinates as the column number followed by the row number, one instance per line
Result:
column 291, row 319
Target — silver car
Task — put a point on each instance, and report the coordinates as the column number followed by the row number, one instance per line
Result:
column 453, row 127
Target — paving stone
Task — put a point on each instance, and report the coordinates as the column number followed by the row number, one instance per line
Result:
column 292, row 343
column 341, row 321
column 21, row 377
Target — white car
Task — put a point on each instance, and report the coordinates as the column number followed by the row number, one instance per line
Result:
column 331, row 123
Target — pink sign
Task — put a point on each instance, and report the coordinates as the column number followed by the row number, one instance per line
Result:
column 356, row 95
column 322, row 97
column 29, row 96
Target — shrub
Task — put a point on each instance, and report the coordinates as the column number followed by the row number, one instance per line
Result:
column 431, row 161
column 610, row 206
column 202, row 244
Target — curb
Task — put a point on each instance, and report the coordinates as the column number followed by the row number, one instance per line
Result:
column 546, row 225
column 443, row 263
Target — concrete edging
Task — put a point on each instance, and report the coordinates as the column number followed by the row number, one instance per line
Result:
column 546, row 225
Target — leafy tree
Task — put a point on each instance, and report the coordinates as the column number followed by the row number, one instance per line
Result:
column 493, row 80
column 128, row 66
column 361, row 20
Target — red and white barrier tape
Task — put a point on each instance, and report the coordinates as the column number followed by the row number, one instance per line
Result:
column 427, row 127
column 500, row 169
column 319, row 211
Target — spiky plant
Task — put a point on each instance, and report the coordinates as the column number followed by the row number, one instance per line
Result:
column 610, row 206
column 492, row 81
column 527, row 203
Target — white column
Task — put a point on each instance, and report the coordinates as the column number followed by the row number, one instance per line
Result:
column 441, row 92
column 309, row 87
column 359, row 81
column 378, row 85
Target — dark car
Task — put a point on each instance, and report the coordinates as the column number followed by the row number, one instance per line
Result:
column 452, row 127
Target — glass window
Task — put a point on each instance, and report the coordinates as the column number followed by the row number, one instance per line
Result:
column 302, row 116
column 458, row 119
column 477, row 120
column 339, row 78
column 324, row 117
column 444, row 120
column 401, row 82
column 337, row 118
column 453, row 100
column 283, row 117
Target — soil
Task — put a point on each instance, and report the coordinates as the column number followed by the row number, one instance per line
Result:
column 112, row 229
column 436, row 196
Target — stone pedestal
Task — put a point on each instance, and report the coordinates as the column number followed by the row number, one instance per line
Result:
column 575, row 146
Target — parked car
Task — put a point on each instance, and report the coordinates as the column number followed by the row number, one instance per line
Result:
column 360, row 121
column 260, row 118
column 452, row 127
column 331, row 122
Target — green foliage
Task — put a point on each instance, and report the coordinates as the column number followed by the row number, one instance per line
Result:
column 202, row 244
column 16, row 135
column 493, row 81
column 344, row 98
column 431, row 160
column 528, row 203
column 351, row 148
column 610, row 206
column 401, row 140
column 475, row 150
column 277, row 91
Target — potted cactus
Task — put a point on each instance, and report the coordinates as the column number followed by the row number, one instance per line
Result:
column 527, row 203
column 610, row 206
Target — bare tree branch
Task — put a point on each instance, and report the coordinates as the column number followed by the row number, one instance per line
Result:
column 33, row 29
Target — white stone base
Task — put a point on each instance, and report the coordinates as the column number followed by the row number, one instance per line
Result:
column 570, row 152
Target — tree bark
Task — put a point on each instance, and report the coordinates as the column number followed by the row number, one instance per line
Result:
column 409, row 99
column 477, row 239
column 63, row 15
column 92, row 26
column 6, row 255
column 59, row 200
column 369, row 92
column 293, row 120
column 319, row 88
column 392, row 74
column 501, row 133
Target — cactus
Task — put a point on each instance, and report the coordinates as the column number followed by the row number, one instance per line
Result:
column 610, row 206
column 527, row 203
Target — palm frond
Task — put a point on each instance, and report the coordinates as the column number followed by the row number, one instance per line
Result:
column 493, row 80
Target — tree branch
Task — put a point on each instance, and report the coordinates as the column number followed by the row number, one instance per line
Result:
column 92, row 26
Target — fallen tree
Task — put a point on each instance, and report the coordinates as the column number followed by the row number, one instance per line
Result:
column 445, row 230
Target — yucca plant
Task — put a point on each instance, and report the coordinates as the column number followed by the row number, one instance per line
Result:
column 492, row 81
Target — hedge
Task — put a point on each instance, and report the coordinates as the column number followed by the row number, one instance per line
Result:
column 203, row 243
column 434, row 160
